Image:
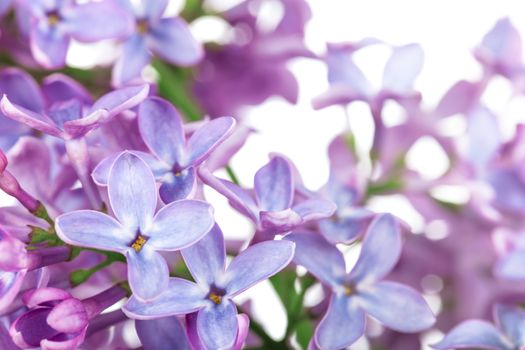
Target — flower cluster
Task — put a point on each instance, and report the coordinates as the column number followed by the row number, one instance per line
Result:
column 112, row 240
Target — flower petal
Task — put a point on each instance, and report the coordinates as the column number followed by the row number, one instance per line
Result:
column 165, row 333
column 217, row 325
column 93, row 229
column 206, row 259
column 181, row 297
column 148, row 273
column 243, row 322
column 94, row 21
column 347, row 227
column 381, row 250
column 402, row 68
column 134, row 58
column 171, row 40
column 511, row 266
column 341, row 326
column 21, row 89
column 35, row 297
column 161, row 128
column 120, row 100
column 458, row 99
column 25, row 116
column 80, row 127
column 59, row 87
column 511, row 320
column 397, row 306
column 49, row 46
column 319, row 257
column 315, row 209
column 474, row 334
column 132, row 191
column 257, row 263
column 10, row 284
column 206, row 138
column 274, row 185
column 180, row 224
column 178, row 186
column 69, row 316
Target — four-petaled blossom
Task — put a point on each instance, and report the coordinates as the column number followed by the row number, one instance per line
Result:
column 175, row 157
column 138, row 232
column 53, row 23
column 508, row 335
column 272, row 208
column 71, row 119
column 217, row 325
column 167, row 38
column 361, row 291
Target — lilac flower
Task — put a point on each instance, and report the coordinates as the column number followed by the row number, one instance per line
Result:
column 138, row 232
column 272, row 209
column 54, row 23
column 509, row 334
column 167, row 38
column 210, row 297
column 243, row 323
column 361, row 291
column 162, row 334
column 175, row 158
column 56, row 320
column 10, row 185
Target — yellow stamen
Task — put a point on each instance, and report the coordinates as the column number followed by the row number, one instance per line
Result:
column 53, row 20
column 139, row 243
column 215, row 298
column 349, row 290
column 142, row 27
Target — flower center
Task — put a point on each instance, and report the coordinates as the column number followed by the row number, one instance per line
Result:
column 215, row 298
column 53, row 18
column 139, row 243
column 349, row 289
column 142, row 27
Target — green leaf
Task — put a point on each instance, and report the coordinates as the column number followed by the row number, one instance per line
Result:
column 304, row 332
column 283, row 283
column 78, row 277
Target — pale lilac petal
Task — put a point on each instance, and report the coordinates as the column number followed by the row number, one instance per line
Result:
column 257, row 263
column 397, row 306
column 132, row 191
column 315, row 209
column 243, row 322
column 511, row 320
column 458, row 99
column 165, row 333
column 101, row 172
column 277, row 222
column 59, row 87
column 402, row 68
column 346, row 227
column 161, row 128
column 34, row 297
column 502, row 44
column 381, row 250
column 21, row 89
column 181, row 297
column 69, row 316
column 93, row 229
column 180, row 224
column 154, row 9
column 10, row 284
column 319, row 257
column 341, row 326
column 337, row 95
column 205, row 139
column 27, row 117
column 65, row 111
column 96, row 20
column 217, row 325
column 148, row 273
column 49, row 46
column 178, row 186
column 80, row 127
column 225, row 151
column 120, row 100
column 342, row 71
column 206, row 259
column 274, row 185
column 171, row 40
column 511, row 266
column 474, row 334
column 133, row 59
column 483, row 137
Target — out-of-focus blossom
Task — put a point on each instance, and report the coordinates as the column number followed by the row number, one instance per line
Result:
column 210, row 297
column 361, row 291
column 166, row 37
column 138, row 232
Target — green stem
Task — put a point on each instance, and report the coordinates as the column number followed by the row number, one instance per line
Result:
column 232, row 175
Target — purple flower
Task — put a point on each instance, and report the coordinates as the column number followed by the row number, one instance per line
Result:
column 361, row 291
column 175, row 158
column 509, row 334
column 272, row 208
column 138, row 232
column 54, row 23
column 70, row 119
column 162, row 334
column 167, row 38
column 210, row 297
column 243, row 323
column 56, row 320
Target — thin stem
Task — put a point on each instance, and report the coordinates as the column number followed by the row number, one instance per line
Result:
column 232, row 175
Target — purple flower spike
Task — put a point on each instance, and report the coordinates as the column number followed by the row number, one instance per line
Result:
column 361, row 291
column 167, row 38
column 508, row 335
column 271, row 208
column 54, row 23
column 69, row 119
column 175, row 157
column 216, row 319
column 138, row 232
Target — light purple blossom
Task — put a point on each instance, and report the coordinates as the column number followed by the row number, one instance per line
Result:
column 210, row 297
column 361, row 291
column 138, row 232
